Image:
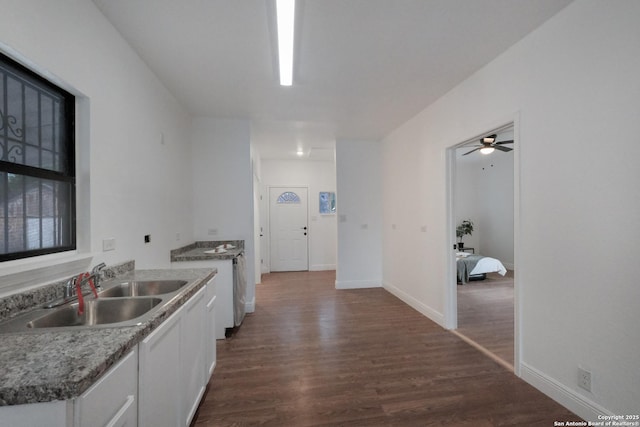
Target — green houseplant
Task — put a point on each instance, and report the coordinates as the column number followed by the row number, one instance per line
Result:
column 465, row 227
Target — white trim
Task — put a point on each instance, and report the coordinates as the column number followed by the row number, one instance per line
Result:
column 427, row 311
column 27, row 273
column 250, row 306
column 322, row 267
column 570, row 399
column 357, row 284
column 450, row 318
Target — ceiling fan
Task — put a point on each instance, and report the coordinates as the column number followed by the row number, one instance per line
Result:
column 488, row 144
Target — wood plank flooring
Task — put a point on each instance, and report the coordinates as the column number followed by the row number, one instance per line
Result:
column 485, row 314
column 312, row 355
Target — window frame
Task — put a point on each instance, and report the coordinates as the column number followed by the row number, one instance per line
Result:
column 69, row 154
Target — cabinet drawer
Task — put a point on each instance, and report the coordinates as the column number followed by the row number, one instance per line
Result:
column 113, row 398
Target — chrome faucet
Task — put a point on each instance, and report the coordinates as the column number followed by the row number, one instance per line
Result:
column 75, row 284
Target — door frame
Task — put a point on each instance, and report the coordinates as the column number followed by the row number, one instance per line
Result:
column 450, row 295
column 267, row 231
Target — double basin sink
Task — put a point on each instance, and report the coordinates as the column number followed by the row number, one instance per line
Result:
column 124, row 303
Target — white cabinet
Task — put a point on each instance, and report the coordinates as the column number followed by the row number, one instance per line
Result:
column 159, row 383
column 210, row 330
column 172, row 362
column 224, row 290
column 112, row 400
column 160, row 375
column 192, row 357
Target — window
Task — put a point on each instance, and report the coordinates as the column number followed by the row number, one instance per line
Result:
column 37, row 164
column 288, row 197
column 327, row 202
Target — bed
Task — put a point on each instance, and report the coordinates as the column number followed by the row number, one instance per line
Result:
column 475, row 267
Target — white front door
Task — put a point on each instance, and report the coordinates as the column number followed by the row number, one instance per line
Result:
column 288, row 228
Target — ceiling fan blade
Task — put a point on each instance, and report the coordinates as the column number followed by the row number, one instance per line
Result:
column 503, row 142
column 475, row 149
column 505, row 149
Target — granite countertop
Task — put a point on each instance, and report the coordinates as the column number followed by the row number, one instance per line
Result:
column 45, row 365
column 197, row 251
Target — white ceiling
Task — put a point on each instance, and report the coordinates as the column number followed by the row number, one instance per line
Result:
column 362, row 67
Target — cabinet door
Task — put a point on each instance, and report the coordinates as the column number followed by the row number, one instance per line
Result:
column 160, row 375
column 224, row 290
column 111, row 401
column 193, row 354
column 210, row 338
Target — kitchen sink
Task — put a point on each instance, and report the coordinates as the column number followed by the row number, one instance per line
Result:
column 96, row 312
column 142, row 288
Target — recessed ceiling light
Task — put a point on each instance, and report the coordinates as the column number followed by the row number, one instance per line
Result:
column 285, row 17
column 300, row 153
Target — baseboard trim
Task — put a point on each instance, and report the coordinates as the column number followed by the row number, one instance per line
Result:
column 357, row 284
column 580, row 405
column 250, row 306
column 322, row 267
column 415, row 304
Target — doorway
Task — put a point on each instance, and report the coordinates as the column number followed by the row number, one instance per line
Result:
column 288, row 229
column 482, row 189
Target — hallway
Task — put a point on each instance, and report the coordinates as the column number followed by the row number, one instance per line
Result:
column 312, row 355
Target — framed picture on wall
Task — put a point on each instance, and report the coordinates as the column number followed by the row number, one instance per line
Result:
column 327, row 202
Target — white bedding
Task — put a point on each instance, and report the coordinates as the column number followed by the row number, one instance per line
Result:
column 488, row 265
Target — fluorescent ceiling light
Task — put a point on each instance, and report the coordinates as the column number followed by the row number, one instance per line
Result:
column 285, row 17
column 487, row 150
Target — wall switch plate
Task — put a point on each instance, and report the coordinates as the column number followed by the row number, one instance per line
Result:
column 108, row 244
column 147, row 238
column 584, row 379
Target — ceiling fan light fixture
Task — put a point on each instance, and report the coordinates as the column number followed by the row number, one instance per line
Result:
column 285, row 19
column 489, row 139
column 487, row 150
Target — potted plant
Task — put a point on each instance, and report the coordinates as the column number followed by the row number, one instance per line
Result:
column 465, row 227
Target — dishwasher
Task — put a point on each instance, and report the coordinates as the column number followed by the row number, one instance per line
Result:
column 239, row 289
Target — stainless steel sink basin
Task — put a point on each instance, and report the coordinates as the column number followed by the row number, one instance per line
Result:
column 96, row 312
column 142, row 288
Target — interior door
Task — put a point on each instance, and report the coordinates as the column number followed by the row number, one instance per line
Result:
column 288, row 229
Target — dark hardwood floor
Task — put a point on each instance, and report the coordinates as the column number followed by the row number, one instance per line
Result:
column 312, row 355
column 485, row 314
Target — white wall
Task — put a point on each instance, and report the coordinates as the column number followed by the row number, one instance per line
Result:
column 135, row 180
column 484, row 194
column 316, row 176
column 572, row 89
column 223, row 185
column 359, row 206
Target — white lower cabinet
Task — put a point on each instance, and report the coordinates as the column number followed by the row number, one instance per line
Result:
column 224, row 290
column 159, row 383
column 112, row 400
column 172, row 360
column 192, row 355
column 160, row 375
column 210, row 331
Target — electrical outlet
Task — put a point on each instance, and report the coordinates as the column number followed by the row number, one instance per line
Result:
column 584, row 379
column 147, row 238
column 109, row 244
